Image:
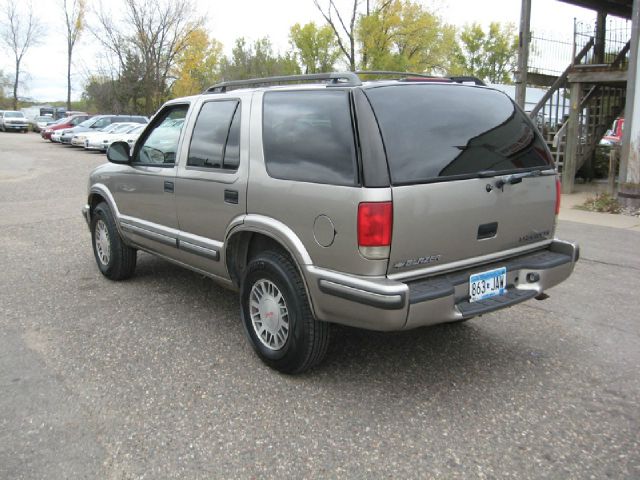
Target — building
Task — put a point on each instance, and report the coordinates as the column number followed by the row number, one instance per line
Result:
column 599, row 84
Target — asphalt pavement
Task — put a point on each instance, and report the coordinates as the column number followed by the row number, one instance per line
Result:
column 152, row 378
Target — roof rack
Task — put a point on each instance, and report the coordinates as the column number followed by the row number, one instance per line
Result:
column 349, row 79
column 423, row 76
column 468, row 79
column 333, row 79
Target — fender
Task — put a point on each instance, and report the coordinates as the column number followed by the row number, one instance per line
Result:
column 272, row 228
column 102, row 190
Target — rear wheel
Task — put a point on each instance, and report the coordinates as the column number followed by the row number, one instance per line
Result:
column 277, row 316
column 115, row 259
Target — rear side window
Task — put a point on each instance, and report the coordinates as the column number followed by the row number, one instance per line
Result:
column 435, row 132
column 215, row 142
column 308, row 136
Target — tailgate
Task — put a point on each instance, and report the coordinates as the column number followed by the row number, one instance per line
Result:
column 441, row 223
column 470, row 174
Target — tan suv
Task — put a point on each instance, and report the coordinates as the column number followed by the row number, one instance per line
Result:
column 386, row 205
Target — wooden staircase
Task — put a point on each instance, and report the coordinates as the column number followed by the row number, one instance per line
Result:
column 598, row 94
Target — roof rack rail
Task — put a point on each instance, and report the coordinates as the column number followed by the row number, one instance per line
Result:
column 468, row 79
column 456, row 79
column 392, row 73
column 333, row 79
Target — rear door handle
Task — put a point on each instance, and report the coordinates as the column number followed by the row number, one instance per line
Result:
column 168, row 186
column 231, row 196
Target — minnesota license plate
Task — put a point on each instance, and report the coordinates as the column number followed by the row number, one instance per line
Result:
column 487, row 284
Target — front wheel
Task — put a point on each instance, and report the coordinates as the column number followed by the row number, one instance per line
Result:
column 115, row 259
column 277, row 316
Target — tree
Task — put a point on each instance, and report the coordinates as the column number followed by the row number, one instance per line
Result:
column 345, row 34
column 154, row 33
column 257, row 60
column 74, row 12
column 197, row 65
column 315, row 47
column 19, row 31
column 403, row 35
column 490, row 56
column 5, row 84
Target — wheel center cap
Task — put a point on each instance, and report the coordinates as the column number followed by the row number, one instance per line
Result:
column 270, row 314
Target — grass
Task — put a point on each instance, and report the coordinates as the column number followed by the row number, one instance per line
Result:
column 602, row 202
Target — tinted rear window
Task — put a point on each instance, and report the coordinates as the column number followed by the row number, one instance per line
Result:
column 308, row 137
column 433, row 132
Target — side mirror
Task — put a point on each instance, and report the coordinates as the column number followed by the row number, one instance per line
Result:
column 119, row 152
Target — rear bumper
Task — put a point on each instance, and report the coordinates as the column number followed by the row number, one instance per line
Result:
column 382, row 304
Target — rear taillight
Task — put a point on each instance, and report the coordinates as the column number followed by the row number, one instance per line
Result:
column 558, row 193
column 375, row 224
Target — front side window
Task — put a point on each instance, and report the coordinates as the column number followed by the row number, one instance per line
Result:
column 161, row 144
column 216, row 136
column 308, row 136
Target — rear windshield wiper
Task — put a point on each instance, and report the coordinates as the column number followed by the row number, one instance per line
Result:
column 517, row 177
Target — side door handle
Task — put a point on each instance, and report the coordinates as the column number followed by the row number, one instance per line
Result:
column 168, row 186
column 231, row 196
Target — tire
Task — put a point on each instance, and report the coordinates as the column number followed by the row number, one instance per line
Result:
column 295, row 341
column 115, row 260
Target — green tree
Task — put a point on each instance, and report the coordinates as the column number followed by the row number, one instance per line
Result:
column 197, row 65
column 257, row 60
column 344, row 32
column 315, row 47
column 403, row 35
column 490, row 56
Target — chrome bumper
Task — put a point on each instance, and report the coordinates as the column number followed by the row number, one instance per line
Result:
column 378, row 303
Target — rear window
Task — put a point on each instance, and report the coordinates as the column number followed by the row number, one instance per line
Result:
column 308, row 137
column 438, row 132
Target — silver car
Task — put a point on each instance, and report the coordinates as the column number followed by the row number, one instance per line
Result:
column 385, row 205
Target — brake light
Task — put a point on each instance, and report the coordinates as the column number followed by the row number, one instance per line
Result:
column 558, row 193
column 375, row 223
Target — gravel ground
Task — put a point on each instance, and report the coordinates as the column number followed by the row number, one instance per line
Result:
column 153, row 378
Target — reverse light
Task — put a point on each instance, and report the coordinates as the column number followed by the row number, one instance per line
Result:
column 558, row 193
column 375, row 225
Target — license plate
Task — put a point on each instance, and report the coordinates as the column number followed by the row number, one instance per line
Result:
column 487, row 284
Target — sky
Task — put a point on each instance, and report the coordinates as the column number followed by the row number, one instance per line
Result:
column 44, row 66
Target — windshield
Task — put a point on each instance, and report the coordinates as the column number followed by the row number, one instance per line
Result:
column 121, row 127
column 13, row 114
column 432, row 132
column 135, row 129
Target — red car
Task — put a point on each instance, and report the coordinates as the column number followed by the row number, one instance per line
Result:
column 66, row 122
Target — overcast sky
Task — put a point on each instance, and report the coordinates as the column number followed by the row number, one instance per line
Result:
column 45, row 65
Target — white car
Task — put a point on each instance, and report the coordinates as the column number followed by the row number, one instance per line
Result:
column 130, row 136
column 104, row 139
column 55, row 136
column 82, row 138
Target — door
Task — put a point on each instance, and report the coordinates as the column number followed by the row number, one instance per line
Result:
column 144, row 192
column 211, row 181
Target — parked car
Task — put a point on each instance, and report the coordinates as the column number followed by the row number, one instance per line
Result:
column 79, row 139
column 11, row 120
column 614, row 135
column 386, row 205
column 130, row 136
column 41, row 122
column 63, row 123
column 98, row 122
column 102, row 142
